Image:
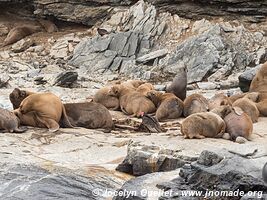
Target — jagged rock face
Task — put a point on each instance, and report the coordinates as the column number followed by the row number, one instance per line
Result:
column 198, row 9
column 211, row 172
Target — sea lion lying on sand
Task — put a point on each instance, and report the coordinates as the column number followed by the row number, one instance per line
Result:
column 131, row 102
column 9, row 122
column 168, row 105
column 205, row 124
column 89, row 115
column 238, row 124
column 219, row 100
column 195, row 103
column 43, row 110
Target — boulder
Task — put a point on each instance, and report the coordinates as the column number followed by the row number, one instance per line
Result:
column 66, row 79
column 246, row 77
column 142, row 160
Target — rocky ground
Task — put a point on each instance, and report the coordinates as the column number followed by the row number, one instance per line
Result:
column 141, row 43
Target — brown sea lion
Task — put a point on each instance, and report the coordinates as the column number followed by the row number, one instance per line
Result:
column 195, row 103
column 102, row 97
column 46, row 109
column 249, row 107
column 9, row 122
column 89, row 115
column 133, row 83
column 17, row 96
column 179, row 84
column 219, row 100
column 238, row 124
column 48, row 25
column 234, row 97
column 205, row 124
column 253, row 96
column 131, row 102
column 145, row 88
column 20, row 32
column 168, row 105
column 259, row 82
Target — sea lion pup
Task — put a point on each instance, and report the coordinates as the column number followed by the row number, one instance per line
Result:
column 205, row 124
column 145, row 88
column 9, row 122
column 238, row 124
column 259, row 82
column 234, row 97
column 195, row 103
column 102, row 97
column 89, row 115
column 249, row 107
column 20, row 32
column 131, row 102
column 219, row 100
column 45, row 109
column 17, row 96
column 168, row 105
column 179, row 84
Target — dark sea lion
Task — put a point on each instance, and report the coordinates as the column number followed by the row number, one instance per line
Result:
column 89, row 115
column 195, row 103
column 17, row 96
column 9, row 122
column 179, row 84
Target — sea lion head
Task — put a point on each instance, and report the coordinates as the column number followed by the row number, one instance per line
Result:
column 222, row 111
column 114, row 90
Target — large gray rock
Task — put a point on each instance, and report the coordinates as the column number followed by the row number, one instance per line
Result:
column 31, row 182
column 246, row 77
column 141, row 160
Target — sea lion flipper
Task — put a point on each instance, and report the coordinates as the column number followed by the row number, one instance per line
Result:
column 65, row 119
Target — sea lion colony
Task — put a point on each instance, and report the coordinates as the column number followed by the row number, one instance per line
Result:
column 221, row 116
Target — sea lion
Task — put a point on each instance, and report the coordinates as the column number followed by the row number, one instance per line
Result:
column 168, row 105
column 259, row 82
column 46, row 109
column 131, row 102
column 17, row 96
column 238, row 124
column 89, row 115
column 20, row 32
column 253, row 96
column 219, row 100
column 234, row 97
column 145, row 88
column 102, row 97
column 48, row 25
column 179, row 84
column 195, row 103
column 249, row 107
column 133, row 83
column 9, row 122
column 205, row 124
